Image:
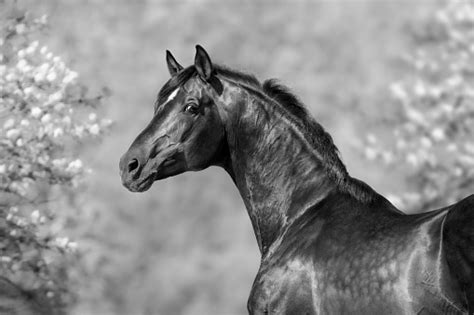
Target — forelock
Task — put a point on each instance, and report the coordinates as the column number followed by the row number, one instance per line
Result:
column 173, row 84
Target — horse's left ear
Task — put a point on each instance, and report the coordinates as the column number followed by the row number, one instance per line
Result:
column 173, row 66
column 203, row 63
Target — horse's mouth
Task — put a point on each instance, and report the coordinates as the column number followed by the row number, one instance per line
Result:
column 169, row 161
column 167, row 167
column 145, row 183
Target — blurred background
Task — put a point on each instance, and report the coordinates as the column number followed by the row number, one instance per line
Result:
column 186, row 246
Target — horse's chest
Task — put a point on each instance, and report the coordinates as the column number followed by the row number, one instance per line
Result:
column 286, row 289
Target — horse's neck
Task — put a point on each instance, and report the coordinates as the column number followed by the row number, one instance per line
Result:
column 276, row 171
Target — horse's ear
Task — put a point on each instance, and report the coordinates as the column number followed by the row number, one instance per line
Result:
column 173, row 66
column 203, row 63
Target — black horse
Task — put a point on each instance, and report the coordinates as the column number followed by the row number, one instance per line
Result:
column 329, row 243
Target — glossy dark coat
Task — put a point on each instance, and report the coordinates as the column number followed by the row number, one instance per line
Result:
column 329, row 243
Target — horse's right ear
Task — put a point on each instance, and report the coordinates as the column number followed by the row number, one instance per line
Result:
column 173, row 66
column 203, row 63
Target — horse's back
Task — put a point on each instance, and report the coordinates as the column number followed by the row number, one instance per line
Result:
column 458, row 241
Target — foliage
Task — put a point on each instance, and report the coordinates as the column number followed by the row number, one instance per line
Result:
column 433, row 133
column 45, row 115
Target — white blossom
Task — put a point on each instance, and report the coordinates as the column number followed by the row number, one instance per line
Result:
column 420, row 89
column 454, row 81
column 416, row 116
column 370, row 153
column 106, row 122
column 466, row 159
column 5, row 259
column 72, row 246
column 20, row 28
column 412, row 159
column 28, row 90
column 21, row 65
column 58, row 132
column 51, row 76
column 36, row 112
column 46, row 118
column 74, row 166
column 10, row 77
column 66, row 120
column 70, row 77
column 79, row 131
column 9, row 123
column 55, row 97
column 59, row 106
column 426, row 142
column 371, row 139
column 452, row 147
column 398, row 91
column 13, row 133
column 59, row 162
column 94, row 129
column 35, row 215
column 438, row 134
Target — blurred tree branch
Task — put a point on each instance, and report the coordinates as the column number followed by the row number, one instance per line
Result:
column 45, row 114
column 433, row 134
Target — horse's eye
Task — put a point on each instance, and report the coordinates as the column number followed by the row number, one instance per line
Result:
column 191, row 108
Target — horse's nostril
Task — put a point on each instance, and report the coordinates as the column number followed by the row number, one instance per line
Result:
column 133, row 165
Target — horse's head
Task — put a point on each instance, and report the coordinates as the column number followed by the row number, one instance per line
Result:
column 186, row 132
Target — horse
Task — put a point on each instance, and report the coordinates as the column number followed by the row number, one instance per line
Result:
column 329, row 243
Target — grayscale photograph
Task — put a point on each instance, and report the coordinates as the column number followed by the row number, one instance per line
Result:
column 225, row 157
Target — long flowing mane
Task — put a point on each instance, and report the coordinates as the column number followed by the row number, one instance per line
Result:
column 314, row 133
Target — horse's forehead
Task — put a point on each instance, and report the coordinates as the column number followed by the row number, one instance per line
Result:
column 172, row 95
column 193, row 86
column 197, row 88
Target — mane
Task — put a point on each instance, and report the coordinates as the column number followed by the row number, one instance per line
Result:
column 241, row 77
column 319, row 138
column 173, row 83
column 280, row 94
